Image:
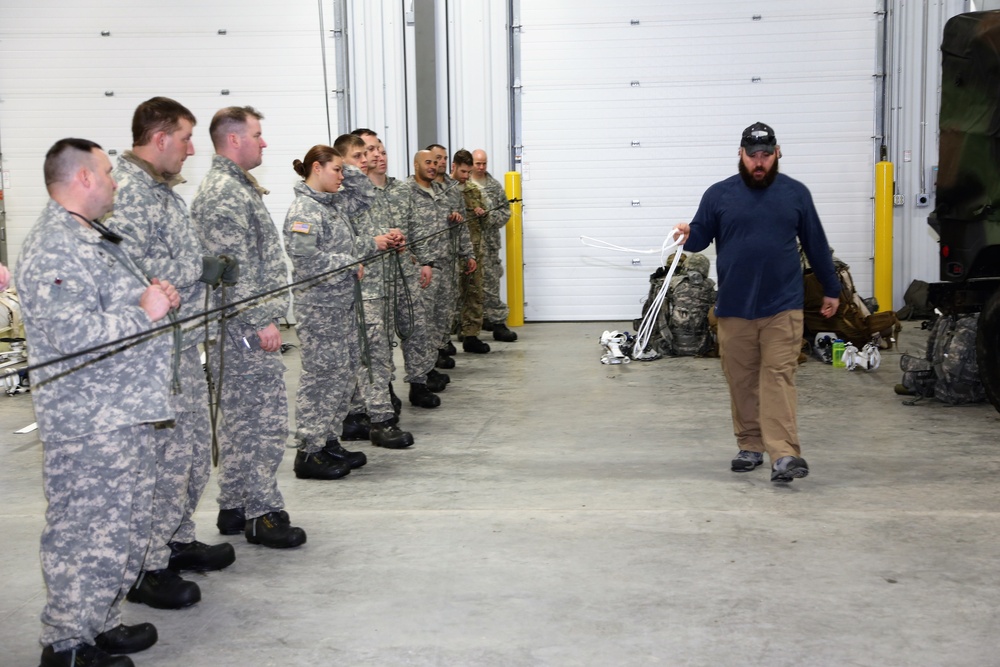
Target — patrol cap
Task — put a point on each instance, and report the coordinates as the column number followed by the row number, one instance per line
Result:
column 758, row 137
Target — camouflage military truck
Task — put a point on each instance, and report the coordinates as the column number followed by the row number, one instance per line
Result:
column 967, row 211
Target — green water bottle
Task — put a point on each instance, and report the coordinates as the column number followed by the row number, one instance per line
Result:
column 838, row 354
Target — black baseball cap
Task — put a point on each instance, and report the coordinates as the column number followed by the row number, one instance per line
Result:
column 758, row 137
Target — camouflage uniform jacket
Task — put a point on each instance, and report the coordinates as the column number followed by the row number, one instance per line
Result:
column 432, row 242
column 499, row 207
column 159, row 235
column 78, row 290
column 474, row 198
column 390, row 209
column 231, row 219
column 461, row 242
column 320, row 240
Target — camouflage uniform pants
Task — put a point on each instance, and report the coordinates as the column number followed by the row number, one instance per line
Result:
column 183, row 463
column 97, row 527
column 372, row 392
column 494, row 309
column 252, row 430
column 329, row 347
column 419, row 354
column 471, row 287
column 440, row 299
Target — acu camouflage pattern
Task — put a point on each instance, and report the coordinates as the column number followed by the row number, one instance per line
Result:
column 94, row 414
column 160, row 238
column 407, row 307
column 949, row 370
column 325, row 310
column 78, row 290
column 471, row 285
column 682, row 325
column 494, row 309
column 433, row 243
column 967, row 211
column 231, row 219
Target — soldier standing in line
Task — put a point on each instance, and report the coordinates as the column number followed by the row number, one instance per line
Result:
column 495, row 311
column 372, row 407
column 160, row 238
column 461, row 250
column 95, row 411
column 320, row 240
column 408, row 312
column 229, row 213
column 471, row 292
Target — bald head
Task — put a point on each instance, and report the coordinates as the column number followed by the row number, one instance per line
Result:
column 424, row 167
column 479, row 164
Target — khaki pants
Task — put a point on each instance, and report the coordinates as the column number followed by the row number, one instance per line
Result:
column 759, row 359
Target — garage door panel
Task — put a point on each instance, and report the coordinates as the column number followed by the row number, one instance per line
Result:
column 625, row 126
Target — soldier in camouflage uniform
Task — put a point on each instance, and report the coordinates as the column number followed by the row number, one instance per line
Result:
column 372, row 404
column 231, row 219
column 495, row 311
column 407, row 305
column 160, row 238
column 471, row 285
column 446, row 251
column 323, row 245
column 95, row 412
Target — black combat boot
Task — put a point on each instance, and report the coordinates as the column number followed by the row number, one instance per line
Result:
column 318, row 465
column 355, row 427
column 200, row 557
column 231, row 521
column 83, row 655
column 502, row 333
column 127, row 638
column 421, row 397
column 487, row 325
column 163, row 589
column 334, row 450
column 397, row 402
column 444, row 361
column 275, row 530
column 436, row 381
column 474, row 345
column 387, row 434
column 450, row 349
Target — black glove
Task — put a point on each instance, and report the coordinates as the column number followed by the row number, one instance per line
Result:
column 231, row 274
column 212, row 270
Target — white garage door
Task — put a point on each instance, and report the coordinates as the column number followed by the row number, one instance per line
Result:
column 630, row 110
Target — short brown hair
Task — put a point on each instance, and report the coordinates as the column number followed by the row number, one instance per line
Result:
column 158, row 114
column 226, row 120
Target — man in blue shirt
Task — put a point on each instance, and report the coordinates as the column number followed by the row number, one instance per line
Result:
column 757, row 219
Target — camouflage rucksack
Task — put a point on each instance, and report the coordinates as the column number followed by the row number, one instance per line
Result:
column 685, row 331
column 949, row 370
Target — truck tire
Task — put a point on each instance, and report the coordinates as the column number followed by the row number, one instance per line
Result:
column 988, row 348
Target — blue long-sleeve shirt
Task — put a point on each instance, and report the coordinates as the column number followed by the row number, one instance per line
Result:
column 756, row 234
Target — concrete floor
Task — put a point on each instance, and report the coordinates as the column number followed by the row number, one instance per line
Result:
column 556, row 511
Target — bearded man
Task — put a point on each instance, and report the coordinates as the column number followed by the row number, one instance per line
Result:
column 757, row 220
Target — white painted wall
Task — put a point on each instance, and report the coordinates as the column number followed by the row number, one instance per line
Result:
column 55, row 70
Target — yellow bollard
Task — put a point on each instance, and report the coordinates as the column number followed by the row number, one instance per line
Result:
column 883, row 235
column 515, row 256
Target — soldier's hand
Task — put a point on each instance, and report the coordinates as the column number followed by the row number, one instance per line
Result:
column 4, row 277
column 456, row 217
column 270, row 338
column 470, row 266
column 170, row 291
column 426, row 273
column 383, row 241
column 155, row 302
column 361, row 272
column 479, row 211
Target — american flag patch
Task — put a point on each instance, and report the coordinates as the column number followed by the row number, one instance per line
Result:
column 300, row 227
